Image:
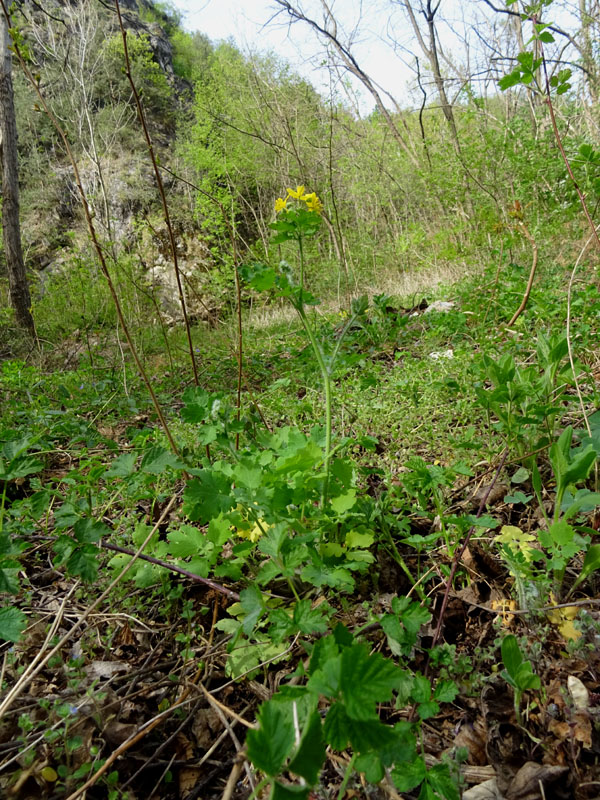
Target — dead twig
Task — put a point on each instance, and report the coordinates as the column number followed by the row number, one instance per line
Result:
column 459, row 554
column 532, row 271
column 31, row 672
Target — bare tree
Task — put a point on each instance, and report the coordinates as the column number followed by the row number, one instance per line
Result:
column 20, row 297
column 430, row 50
column 328, row 30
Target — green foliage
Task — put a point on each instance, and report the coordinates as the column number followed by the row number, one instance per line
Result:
column 352, row 681
column 518, row 672
column 298, row 522
column 149, row 79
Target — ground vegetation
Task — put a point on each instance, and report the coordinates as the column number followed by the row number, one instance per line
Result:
column 299, row 466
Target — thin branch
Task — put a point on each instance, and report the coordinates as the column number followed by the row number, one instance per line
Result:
column 161, row 191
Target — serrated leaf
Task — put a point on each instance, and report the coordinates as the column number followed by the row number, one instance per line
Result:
column 270, row 745
column 206, row 496
column 310, row 755
column 186, row 541
column 323, row 650
column 445, row 691
column 12, row 623
column 336, row 727
column 9, row 580
column 371, row 765
column 408, row 775
column 510, row 80
column 428, row 709
column 421, row 690
column 157, row 459
column 66, row 516
column 254, row 606
column 442, row 782
column 326, row 680
column 282, row 791
column 122, row 466
column 366, row 679
column 84, row 562
column 307, row 619
column 88, row 530
column 322, row 575
column 247, row 475
column 561, row 532
column 19, row 468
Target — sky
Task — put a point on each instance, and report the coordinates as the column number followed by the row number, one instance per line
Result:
column 255, row 25
column 382, row 40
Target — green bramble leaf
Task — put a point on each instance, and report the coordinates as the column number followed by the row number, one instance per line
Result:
column 157, row 459
column 270, row 745
column 366, row 679
column 19, row 468
column 287, row 792
column 12, row 623
column 445, row 691
column 254, row 606
column 440, row 780
column 84, row 562
column 187, row 541
column 408, row 775
column 9, row 581
column 122, row 467
column 310, row 755
column 88, row 530
column 510, row 80
column 370, row 764
column 310, row 620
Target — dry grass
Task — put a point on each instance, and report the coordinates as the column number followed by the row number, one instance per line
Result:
column 404, row 285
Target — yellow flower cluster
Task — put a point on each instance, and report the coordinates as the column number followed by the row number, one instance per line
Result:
column 249, row 529
column 313, row 203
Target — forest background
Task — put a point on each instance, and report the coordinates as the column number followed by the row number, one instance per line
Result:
column 299, row 406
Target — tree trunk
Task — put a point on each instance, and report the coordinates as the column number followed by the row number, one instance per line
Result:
column 11, row 231
column 587, row 12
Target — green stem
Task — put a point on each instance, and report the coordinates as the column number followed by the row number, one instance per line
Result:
column 403, row 566
column 3, row 504
column 347, row 775
column 324, row 373
column 517, row 706
column 259, row 789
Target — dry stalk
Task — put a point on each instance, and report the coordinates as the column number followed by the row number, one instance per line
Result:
column 161, row 190
column 31, row 673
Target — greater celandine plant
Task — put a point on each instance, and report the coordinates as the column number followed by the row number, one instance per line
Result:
column 299, row 217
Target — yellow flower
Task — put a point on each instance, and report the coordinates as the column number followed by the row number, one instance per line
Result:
column 313, row 203
column 249, row 529
column 253, row 532
column 280, row 204
column 298, row 194
column 564, row 619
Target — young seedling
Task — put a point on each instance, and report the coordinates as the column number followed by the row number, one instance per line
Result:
column 518, row 672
